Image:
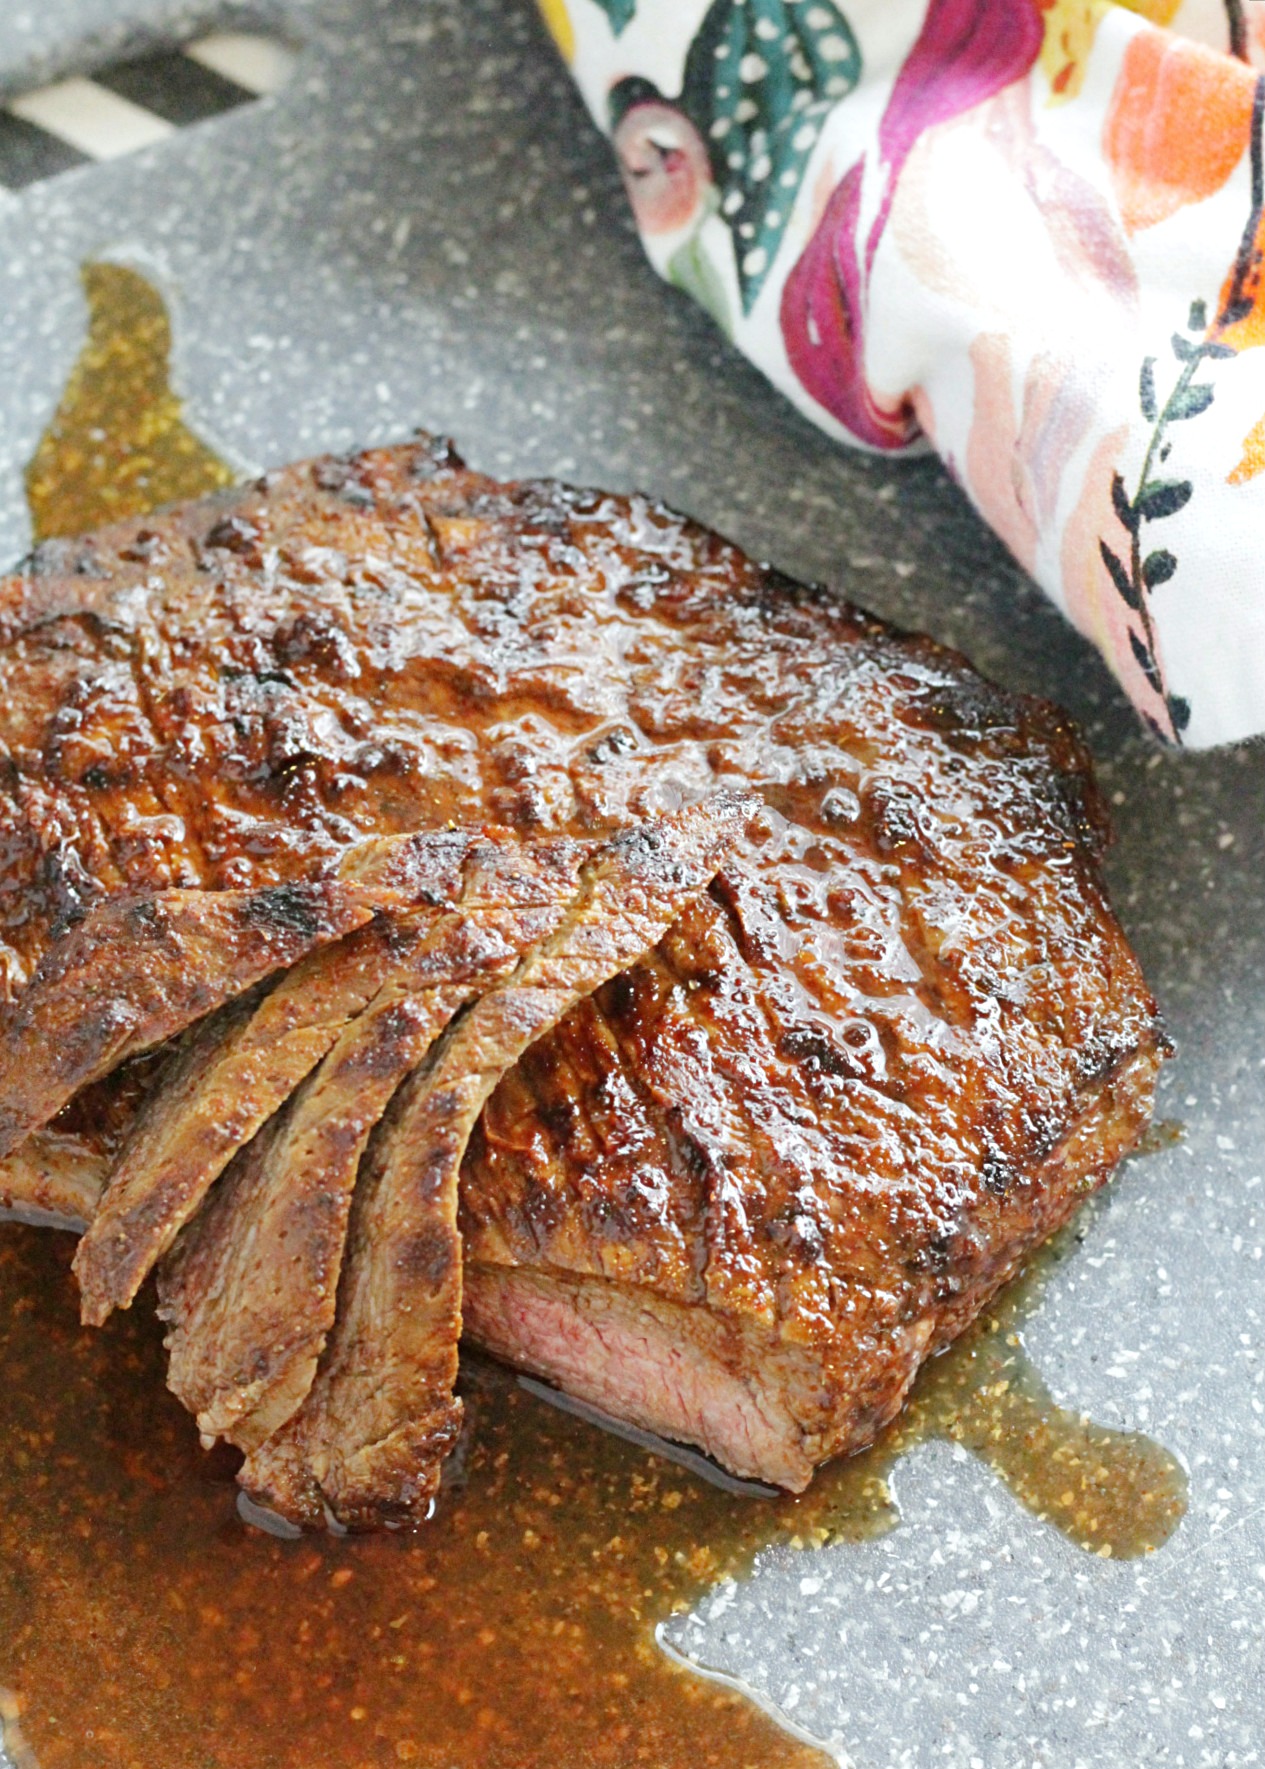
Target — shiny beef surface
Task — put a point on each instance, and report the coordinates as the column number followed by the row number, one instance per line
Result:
column 230, row 693
column 850, row 1088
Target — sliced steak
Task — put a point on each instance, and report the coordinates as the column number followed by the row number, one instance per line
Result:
column 368, row 1443
column 828, row 1115
column 243, row 1063
column 250, row 1289
column 135, row 971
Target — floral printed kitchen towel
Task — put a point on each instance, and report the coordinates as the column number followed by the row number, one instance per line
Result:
column 1027, row 232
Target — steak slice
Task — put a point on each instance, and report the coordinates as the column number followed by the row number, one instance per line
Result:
column 135, row 971
column 56, row 1175
column 250, row 1288
column 241, row 1065
column 368, row 1443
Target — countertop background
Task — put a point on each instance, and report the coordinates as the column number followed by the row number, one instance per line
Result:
column 422, row 228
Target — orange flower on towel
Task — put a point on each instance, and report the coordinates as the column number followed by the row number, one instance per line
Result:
column 1242, row 303
column 1177, row 126
column 1253, row 461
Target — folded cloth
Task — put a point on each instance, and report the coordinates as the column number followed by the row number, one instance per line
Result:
column 1028, row 232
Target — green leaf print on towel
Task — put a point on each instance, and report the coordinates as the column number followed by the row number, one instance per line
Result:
column 760, row 79
column 619, row 12
column 1203, row 342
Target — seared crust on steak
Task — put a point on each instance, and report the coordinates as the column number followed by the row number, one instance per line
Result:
column 813, row 1129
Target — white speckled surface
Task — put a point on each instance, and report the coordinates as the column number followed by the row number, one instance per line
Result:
column 422, row 229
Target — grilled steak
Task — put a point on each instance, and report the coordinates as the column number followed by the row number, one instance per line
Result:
column 244, row 1062
column 741, row 1192
column 137, row 970
column 382, row 1414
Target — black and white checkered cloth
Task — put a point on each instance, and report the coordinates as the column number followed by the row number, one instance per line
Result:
column 135, row 103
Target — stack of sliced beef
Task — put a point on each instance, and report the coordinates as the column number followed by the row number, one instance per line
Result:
column 429, row 902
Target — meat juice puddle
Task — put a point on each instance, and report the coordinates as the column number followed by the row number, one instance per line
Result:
column 144, row 1626
column 117, row 444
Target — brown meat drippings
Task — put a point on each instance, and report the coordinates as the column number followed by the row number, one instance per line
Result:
column 118, row 444
column 145, row 1627
column 142, row 1625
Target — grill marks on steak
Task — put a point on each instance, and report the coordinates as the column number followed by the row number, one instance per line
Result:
column 368, row 1443
column 800, row 1143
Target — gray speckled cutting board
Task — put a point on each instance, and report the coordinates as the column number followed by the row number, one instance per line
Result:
column 424, row 229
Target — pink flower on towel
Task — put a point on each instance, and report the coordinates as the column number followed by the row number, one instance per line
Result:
column 664, row 162
column 967, row 51
column 822, row 320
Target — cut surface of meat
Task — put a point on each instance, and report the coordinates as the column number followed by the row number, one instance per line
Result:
column 852, row 1085
column 55, row 1175
column 134, row 973
column 242, row 1064
column 368, row 1443
column 250, row 1290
